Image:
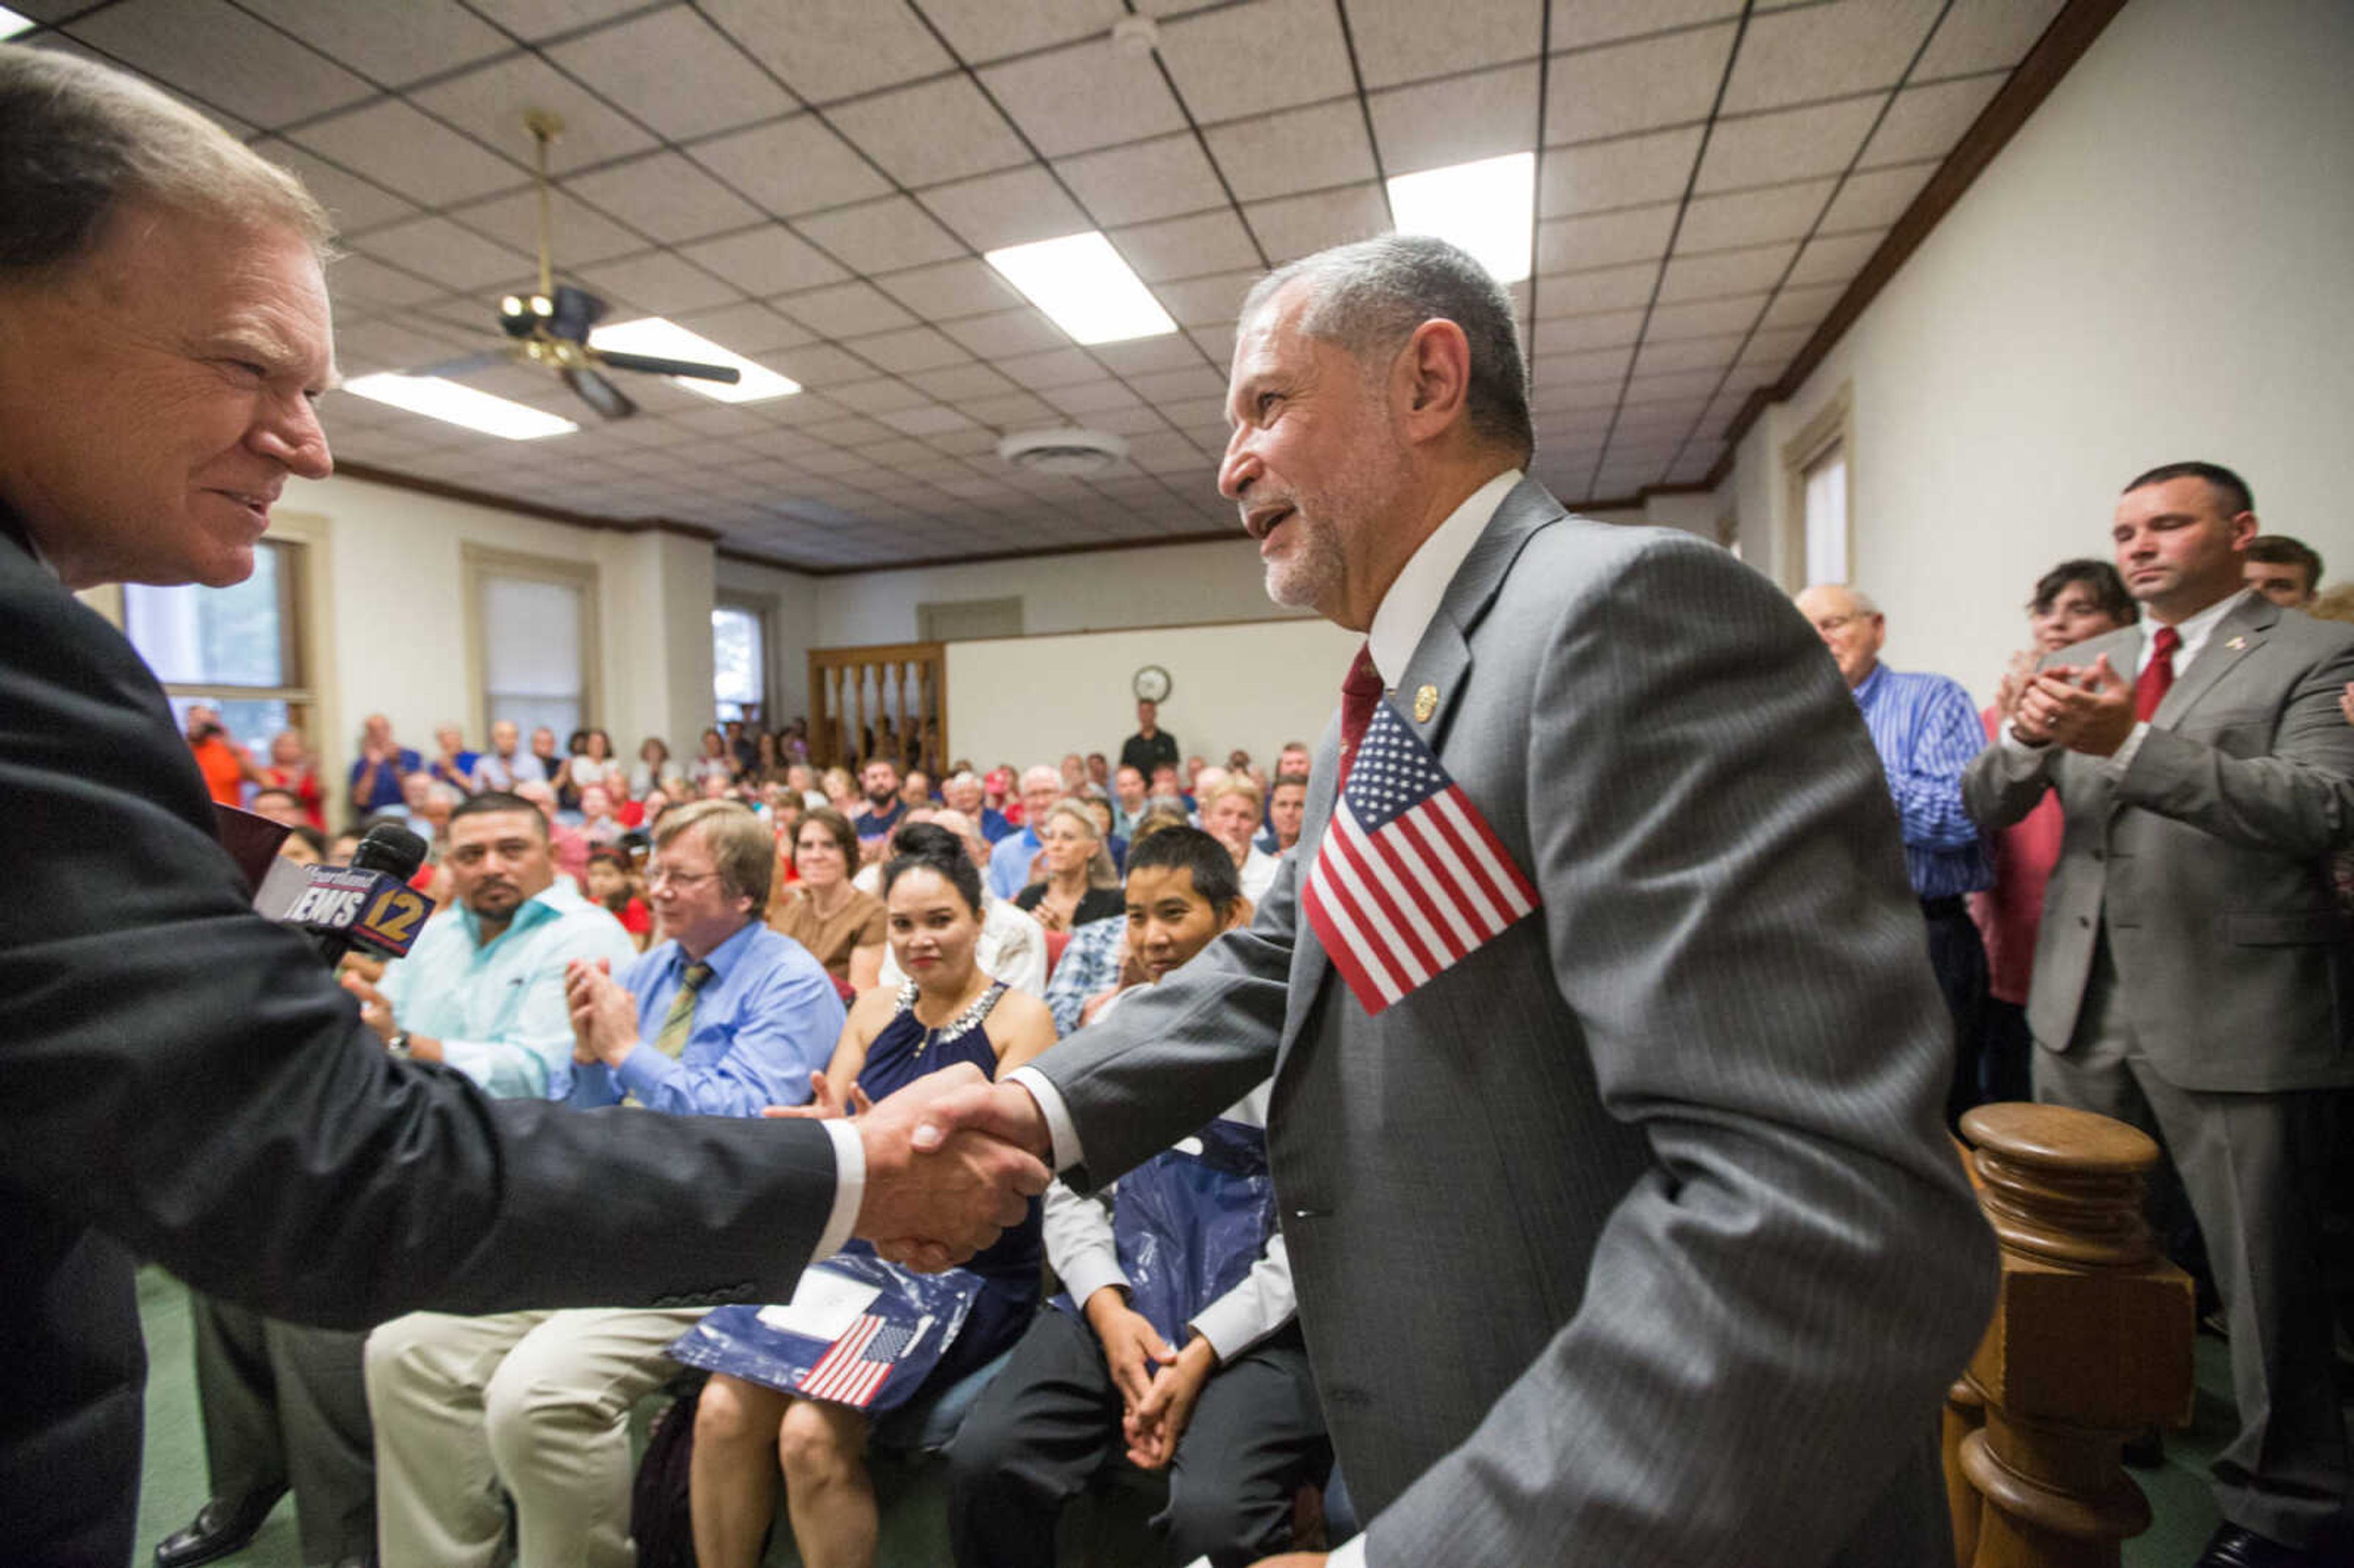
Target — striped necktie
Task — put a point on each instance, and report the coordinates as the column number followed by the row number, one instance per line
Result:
column 679, row 1023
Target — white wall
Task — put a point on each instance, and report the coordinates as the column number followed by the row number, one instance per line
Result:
column 2155, row 268
column 1030, row 699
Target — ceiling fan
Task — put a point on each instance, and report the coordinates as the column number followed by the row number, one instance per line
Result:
column 551, row 328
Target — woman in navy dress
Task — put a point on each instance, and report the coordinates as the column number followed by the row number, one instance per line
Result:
column 949, row 1011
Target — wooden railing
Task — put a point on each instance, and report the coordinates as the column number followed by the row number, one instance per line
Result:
column 2090, row 1344
column 887, row 700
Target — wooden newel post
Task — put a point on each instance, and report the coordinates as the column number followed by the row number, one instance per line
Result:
column 2090, row 1343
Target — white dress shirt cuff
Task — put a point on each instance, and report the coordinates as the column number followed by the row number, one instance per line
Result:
column 849, row 1186
column 1059, row 1128
column 2117, row 761
column 1091, row 1273
column 2012, row 744
column 1349, row 1553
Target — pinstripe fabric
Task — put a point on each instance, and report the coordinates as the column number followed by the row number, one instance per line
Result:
column 1589, row 1228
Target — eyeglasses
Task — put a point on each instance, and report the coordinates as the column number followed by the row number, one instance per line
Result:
column 657, row 876
column 1831, row 624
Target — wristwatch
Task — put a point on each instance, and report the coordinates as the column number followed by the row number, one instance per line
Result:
column 399, row 1044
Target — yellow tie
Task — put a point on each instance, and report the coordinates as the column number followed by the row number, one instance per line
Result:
column 679, row 1023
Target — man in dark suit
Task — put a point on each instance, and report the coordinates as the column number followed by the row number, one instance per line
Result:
column 1624, row 1231
column 2192, row 972
column 180, row 1079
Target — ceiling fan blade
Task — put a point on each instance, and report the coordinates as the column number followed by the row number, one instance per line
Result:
column 654, row 367
column 600, row 394
column 467, row 364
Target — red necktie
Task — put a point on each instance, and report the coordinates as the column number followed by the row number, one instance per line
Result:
column 2157, row 676
column 1359, row 693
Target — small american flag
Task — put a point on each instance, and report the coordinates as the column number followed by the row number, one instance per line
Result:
column 860, row 1360
column 1409, row 878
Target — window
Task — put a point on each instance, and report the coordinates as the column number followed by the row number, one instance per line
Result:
column 1825, row 483
column 239, row 649
column 535, row 641
column 739, row 664
column 1817, row 526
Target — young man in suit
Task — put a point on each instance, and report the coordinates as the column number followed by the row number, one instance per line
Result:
column 2191, row 965
column 180, row 1080
column 1594, row 1207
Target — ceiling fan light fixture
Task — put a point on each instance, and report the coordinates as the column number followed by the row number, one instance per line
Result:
column 663, row 339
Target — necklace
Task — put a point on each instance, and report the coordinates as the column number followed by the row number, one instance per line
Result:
column 956, row 1028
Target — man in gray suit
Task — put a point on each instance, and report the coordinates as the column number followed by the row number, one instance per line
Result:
column 2191, row 965
column 1625, row 1231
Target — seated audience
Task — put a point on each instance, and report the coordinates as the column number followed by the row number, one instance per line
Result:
column 453, row 764
column 278, row 806
column 1074, row 772
column 1099, row 806
column 2074, row 600
column 613, row 887
column 916, row 789
column 747, row 1431
column 714, row 760
column 1165, row 785
column 742, row 745
column 1231, row 808
column 721, row 1019
column 303, row 845
column 599, row 825
column 823, row 909
column 294, row 769
column 1078, row 884
column 1010, row 863
column 1012, row 946
column 376, row 772
column 881, row 810
column 801, row 779
column 2285, row 570
column 654, row 770
column 226, row 766
column 482, row 991
column 504, row 766
column 1286, row 804
column 544, row 752
column 997, row 800
column 593, row 766
column 841, row 791
column 1099, row 771
column 566, row 843
column 1174, row 1340
column 1295, row 757
column 1127, row 798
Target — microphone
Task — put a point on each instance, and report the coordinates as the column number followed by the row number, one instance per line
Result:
column 367, row 903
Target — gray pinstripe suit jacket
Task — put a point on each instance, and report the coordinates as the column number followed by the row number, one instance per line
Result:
column 1634, row 1238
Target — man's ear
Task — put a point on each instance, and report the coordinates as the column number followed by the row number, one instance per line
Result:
column 1434, row 373
column 1238, row 915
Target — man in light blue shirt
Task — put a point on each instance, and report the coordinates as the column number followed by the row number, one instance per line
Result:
column 1009, row 862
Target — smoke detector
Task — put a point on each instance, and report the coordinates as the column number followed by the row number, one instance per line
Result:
column 1067, row 451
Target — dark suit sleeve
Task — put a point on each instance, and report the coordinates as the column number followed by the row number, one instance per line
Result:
column 1776, row 1306
column 185, row 1076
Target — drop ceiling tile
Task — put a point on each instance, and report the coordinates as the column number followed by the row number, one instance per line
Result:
column 1704, row 318
column 1292, row 227
column 666, row 197
column 1007, row 333
column 582, row 234
column 1584, row 367
column 1297, row 150
column 831, row 49
column 959, row 383
column 882, row 395
column 1140, row 420
column 982, row 30
column 1206, row 302
column 395, row 45
column 1200, row 414
column 885, row 236
column 1084, row 397
column 1752, row 216
column 1689, row 355
column 1432, row 124
column 1788, row 144
column 844, row 310
column 1143, row 356
column 437, row 248
column 1605, row 239
column 1924, row 122
column 1725, row 274
column 661, row 282
column 1772, row 350
column 934, row 130
column 1145, row 180
column 1836, row 257
column 969, row 441
column 1671, row 79
column 1086, row 96
column 1187, row 247
column 1257, row 57
column 1406, row 40
column 1581, row 23
column 912, row 348
column 1215, row 339
column 1055, row 367
column 1827, row 51
column 354, row 203
column 947, row 290
column 1801, row 307
column 1014, row 207
column 1012, row 411
column 764, row 261
column 210, row 49
column 748, row 328
column 1874, row 198
column 1600, row 288
column 537, row 19
column 401, row 149
column 1628, row 171
column 359, row 285
column 1576, row 334
column 390, row 345
column 488, row 103
column 1991, row 34
column 675, row 72
column 790, row 167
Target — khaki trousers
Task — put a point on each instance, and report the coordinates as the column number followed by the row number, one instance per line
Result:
column 536, row 1403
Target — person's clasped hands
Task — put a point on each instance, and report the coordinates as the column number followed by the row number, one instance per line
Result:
column 2089, row 710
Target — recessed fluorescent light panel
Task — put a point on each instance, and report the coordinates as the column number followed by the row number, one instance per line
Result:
column 1488, row 207
column 668, row 340
column 438, row 399
column 12, row 24
column 1081, row 283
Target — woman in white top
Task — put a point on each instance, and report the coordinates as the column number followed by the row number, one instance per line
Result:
column 596, row 763
column 654, row 770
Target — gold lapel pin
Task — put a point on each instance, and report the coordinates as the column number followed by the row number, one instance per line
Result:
column 2236, row 643
column 1426, row 702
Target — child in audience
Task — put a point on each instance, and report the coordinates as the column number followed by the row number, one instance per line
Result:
column 613, row 883
column 1188, row 1256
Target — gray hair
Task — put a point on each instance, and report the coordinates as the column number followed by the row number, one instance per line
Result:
column 76, row 140
column 1369, row 297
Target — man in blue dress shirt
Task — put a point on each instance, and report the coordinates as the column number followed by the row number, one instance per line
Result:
column 724, row 1017
column 1926, row 732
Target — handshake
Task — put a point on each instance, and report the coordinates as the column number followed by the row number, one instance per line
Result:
column 952, row 1160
